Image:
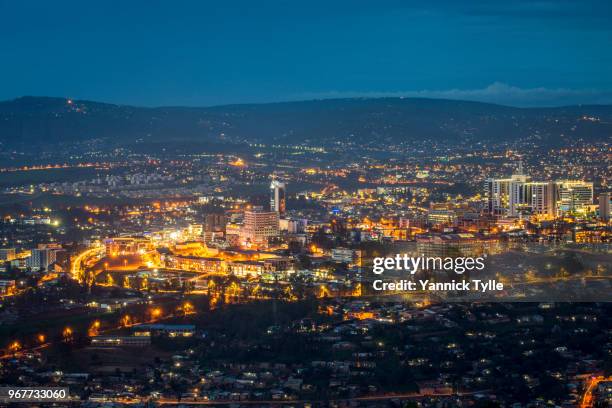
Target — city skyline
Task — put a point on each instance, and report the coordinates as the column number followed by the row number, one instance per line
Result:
column 427, row 222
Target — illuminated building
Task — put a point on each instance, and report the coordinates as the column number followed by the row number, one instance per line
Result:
column 196, row 264
column 170, row 330
column 278, row 199
column 506, row 196
column 441, row 217
column 214, row 222
column 366, row 192
column 404, row 222
column 574, row 196
column 519, row 195
column 194, row 248
column 215, row 226
column 293, row 226
column 127, row 245
column 121, row 341
column 247, row 268
column 7, row 287
column 392, row 190
column 241, row 263
column 359, row 315
column 41, row 258
column 591, row 235
column 232, row 234
column 498, row 192
column 259, row 226
column 543, row 198
column 194, row 231
column 7, row 254
column 604, row 207
column 453, row 245
column 346, row 255
column 232, row 240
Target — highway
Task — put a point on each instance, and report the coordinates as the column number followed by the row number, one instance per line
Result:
column 587, row 398
column 77, row 262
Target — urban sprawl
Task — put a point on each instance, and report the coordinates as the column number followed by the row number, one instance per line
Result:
column 196, row 277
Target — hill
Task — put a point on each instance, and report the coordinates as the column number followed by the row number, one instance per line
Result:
column 44, row 121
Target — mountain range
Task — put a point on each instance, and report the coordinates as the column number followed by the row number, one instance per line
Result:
column 47, row 122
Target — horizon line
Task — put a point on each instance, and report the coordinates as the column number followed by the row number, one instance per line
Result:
column 307, row 100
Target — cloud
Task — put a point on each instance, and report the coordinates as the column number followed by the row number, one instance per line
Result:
column 497, row 92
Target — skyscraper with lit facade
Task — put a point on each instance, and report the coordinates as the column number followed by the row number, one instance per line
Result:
column 278, row 199
column 519, row 195
column 259, row 226
column 574, row 196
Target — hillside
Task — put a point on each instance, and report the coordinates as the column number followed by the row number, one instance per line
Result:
column 43, row 121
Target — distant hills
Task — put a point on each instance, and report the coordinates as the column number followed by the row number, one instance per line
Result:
column 39, row 122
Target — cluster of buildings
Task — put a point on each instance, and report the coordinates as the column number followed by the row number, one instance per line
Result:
column 259, row 226
column 520, row 195
column 349, row 350
column 40, row 258
column 240, row 263
column 142, row 334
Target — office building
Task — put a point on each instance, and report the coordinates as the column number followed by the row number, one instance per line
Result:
column 519, row 195
column 441, row 217
column 41, row 258
column 278, row 200
column 542, row 197
column 259, row 226
column 215, row 222
column 507, row 196
column 574, row 196
column 604, row 207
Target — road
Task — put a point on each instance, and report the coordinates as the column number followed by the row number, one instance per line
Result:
column 383, row 397
column 107, row 330
column 77, row 262
column 587, row 398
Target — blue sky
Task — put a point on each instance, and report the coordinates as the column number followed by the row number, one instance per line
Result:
column 208, row 53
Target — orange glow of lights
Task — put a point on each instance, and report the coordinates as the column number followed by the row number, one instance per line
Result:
column 126, row 320
column 14, row 346
column 363, row 315
column 94, row 328
column 188, row 308
column 237, row 163
column 156, row 312
column 67, row 334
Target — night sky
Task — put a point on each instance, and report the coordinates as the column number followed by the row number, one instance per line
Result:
column 208, row 53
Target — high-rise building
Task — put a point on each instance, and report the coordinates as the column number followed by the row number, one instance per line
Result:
column 42, row 258
column 519, row 195
column 278, row 200
column 214, row 222
column 574, row 196
column 604, row 207
column 259, row 226
column 292, row 225
column 507, row 196
column 543, row 197
column 497, row 192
